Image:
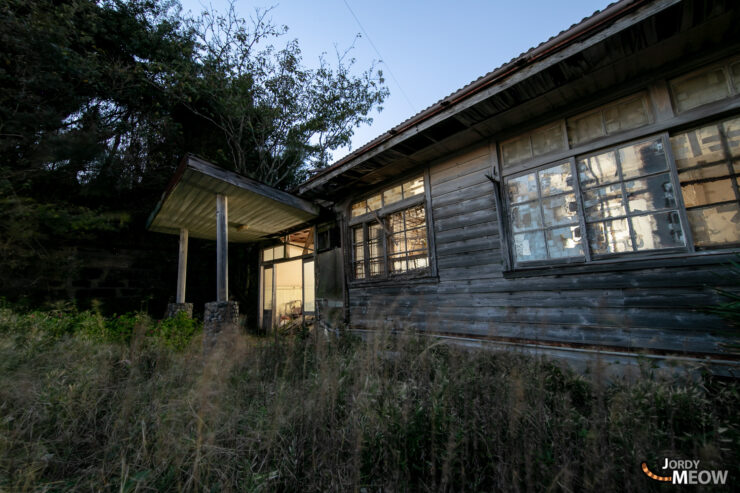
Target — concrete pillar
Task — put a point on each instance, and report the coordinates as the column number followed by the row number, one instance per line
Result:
column 220, row 324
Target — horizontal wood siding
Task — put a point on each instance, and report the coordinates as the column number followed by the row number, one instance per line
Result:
column 659, row 309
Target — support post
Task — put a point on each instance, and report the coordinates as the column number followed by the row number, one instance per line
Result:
column 182, row 266
column 221, row 318
column 222, row 248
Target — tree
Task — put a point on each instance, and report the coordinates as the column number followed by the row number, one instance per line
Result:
column 100, row 99
column 280, row 120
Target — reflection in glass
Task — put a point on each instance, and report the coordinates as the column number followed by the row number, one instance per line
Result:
column 662, row 230
column 557, row 179
column 309, row 287
column 584, row 128
column 547, row 140
column 609, row 237
column 715, row 225
column 732, row 133
column 560, row 210
column 626, row 115
column 651, row 193
column 392, row 195
column 598, row 170
column 526, row 216
column 398, row 263
column 565, row 242
column 698, row 147
column 522, row 188
column 642, row 159
column 359, row 208
column 701, row 88
column 413, row 187
column 529, row 246
column 704, row 173
column 516, row 151
column 375, row 202
column 604, row 202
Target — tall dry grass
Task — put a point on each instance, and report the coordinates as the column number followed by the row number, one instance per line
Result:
column 393, row 413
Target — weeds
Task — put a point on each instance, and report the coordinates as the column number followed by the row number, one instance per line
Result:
column 399, row 413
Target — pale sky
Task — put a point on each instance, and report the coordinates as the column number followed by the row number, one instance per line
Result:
column 428, row 49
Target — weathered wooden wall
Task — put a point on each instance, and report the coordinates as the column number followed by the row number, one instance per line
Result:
column 658, row 309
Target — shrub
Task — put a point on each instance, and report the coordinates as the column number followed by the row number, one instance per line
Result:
column 178, row 331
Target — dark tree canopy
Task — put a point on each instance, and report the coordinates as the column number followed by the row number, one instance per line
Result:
column 100, row 99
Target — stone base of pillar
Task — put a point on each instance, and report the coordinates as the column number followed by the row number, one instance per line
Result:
column 220, row 323
column 174, row 308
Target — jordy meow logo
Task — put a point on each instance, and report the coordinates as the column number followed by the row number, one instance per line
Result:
column 678, row 471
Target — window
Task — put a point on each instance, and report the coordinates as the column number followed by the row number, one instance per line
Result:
column 708, row 162
column 624, row 200
column 388, row 232
column 706, row 85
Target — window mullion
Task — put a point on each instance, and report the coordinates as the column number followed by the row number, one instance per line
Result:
column 384, row 234
column 542, row 214
column 581, row 210
column 678, row 194
column 627, row 209
column 366, row 249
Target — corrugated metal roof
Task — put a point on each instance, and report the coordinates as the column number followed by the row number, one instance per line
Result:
column 598, row 19
column 256, row 210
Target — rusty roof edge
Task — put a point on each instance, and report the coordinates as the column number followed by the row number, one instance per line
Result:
column 561, row 40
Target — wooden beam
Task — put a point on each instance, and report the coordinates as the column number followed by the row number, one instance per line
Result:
column 182, row 266
column 222, row 248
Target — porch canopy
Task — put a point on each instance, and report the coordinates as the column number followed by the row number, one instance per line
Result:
column 256, row 210
column 205, row 201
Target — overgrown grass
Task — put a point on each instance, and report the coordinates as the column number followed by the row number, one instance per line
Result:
column 404, row 413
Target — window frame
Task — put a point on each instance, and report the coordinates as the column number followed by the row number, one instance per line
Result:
column 689, row 254
column 372, row 217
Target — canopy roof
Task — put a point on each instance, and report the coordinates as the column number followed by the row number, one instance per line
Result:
column 255, row 210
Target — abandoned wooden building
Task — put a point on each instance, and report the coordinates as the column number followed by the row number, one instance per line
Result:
column 580, row 199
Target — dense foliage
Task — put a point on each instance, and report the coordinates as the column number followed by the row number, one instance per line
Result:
column 83, row 412
column 100, row 98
